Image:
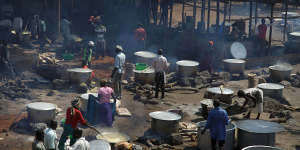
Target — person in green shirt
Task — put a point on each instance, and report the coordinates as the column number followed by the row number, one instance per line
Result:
column 87, row 54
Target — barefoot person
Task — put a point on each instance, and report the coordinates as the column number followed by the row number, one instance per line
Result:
column 118, row 71
column 256, row 96
column 160, row 66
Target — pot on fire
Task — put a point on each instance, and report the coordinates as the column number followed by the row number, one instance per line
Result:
column 261, row 147
column 234, row 65
column 187, row 68
column 224, row 94
column 146, row 57
column 99, row 145
column 164, row 123
column 79, row 75
column 271, row 89
column 280, row 72
column 41, row 112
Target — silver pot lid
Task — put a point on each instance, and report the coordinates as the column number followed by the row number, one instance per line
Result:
column 41, row 106
column 187, row 63
column 145, row 54
column 256, row 147
column 79, row 70
column 86, row 95
column 234, row 61
column 113, row 137
column 217, row 90
column 295, row 33
column 99, row 145
column 283, row 67
column 164, row 115
column 259, row 126
column 270, row 86
column 238, row 50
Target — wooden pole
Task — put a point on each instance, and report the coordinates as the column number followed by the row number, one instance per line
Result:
column 271, row 22
column 182, row 13
column 218, row 14
column 208, row 15
column 255, row 21
column 229, row 15
column 225, row 13
column 59, row 14
column 203, row 15
column 171, row 13
column 250, row 21
column 285, row 19
column 194, row 12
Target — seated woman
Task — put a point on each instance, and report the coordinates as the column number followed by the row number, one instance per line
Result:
column 106, row 109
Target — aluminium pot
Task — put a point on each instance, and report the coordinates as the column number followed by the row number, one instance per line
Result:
column 164, row 123
column 234, row 65
column 99, row 145
column 146, row 57
column 84, row 100
column 271, row 89
column 261, row 147
column 187, row 68
column 280, row 72
column 146, row 76
column 79, row 75
column 41, row 112
column 204, row 141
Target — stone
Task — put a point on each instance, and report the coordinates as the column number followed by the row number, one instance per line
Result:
column 261, row 80
column 124, row 82
column 51, row 93
column 285, row 83
column 59, row 84
column 176, row 139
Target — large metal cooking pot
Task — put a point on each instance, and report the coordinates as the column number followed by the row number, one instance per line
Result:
column 84, row 100
column 41, row 112
column 113, row 137
column 146, row 76
column 234, row 65
column 271, row 89
column 225, row 95
column 257, row 132
column 204, row 141
column 261, row 147
column 187, row 68
column 146, row 57
column 79, row 75
column 164, row 123
column 280, row 72
column 99, row 145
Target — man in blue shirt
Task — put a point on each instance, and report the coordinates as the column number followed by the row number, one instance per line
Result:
column 216, row 123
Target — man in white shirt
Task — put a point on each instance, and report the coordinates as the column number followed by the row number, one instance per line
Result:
column 81, row 143
column 118, row 71
column 256, row 96
column 160, row 66
column 50, row 139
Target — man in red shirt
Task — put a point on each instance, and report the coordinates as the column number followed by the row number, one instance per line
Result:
column 140, row 36
column 262, row 30
column 73, row 117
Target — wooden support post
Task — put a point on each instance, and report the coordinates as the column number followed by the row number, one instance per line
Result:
column 255, row 20
column 182, row 13
column 171, row 13
column 271, row 22
column 59, row 14
column 285, row 20
column 225, row 14
column 218, row 14
column 208, row 15
column 203, row 15
column 229, row 15
column 194, row 12
column 250, row 21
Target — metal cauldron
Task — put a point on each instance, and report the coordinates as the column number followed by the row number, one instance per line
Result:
column 79, row 75
column 271, row 89
column 146, row 57
column 257, row 132
column 234, row 65
column 41, row 112
column 99, row 145
column 164, row 123
column 146, row 76
column 225, row 95
column 261, row 147
column 84, row 100
column 204, row 141
column 187, row 68
column 280, row 72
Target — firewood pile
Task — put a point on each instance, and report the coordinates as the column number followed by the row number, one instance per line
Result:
column 48, row 58
column 295, row 80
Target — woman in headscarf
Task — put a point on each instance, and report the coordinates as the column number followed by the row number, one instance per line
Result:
column 73, row 117
column 106, row 109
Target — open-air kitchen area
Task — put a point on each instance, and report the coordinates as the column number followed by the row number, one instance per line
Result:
column 150, row 75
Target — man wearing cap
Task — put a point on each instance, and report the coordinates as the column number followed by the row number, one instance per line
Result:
column 118, row 71
column 254, row 95
column 87, row 54
column 216, row 123
column 160, row 65
column 73, row 117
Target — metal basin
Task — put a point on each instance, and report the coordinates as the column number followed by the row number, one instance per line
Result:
column 261, row 147
column 225, row 95
column 187, row 68
column 234, row 65
column 271, row 89
column 280, row 72
column 204, row 141
column 79, row 75
column 164, row 123
column 257, row 132
column 41, row 112
column 84, row 100
column 113, row 137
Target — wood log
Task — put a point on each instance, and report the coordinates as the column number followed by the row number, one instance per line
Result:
column 182, row 88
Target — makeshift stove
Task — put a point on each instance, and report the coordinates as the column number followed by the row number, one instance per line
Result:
column 271, row 89
column 223, row 94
